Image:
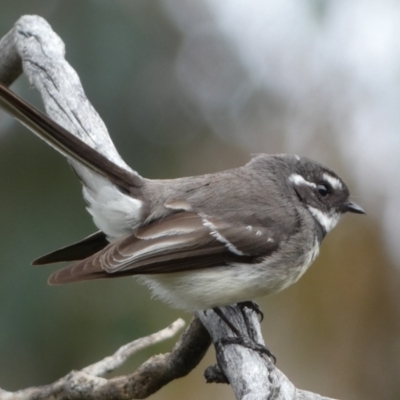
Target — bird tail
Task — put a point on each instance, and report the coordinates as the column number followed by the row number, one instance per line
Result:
column 112, row 191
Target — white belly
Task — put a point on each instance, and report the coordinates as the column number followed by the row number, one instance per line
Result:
column 207, row 288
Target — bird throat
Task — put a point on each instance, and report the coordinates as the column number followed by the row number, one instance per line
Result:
column 327, row 220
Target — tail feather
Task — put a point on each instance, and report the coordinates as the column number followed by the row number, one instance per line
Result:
column 65, row 142
column 113, row 192
column 76, row 251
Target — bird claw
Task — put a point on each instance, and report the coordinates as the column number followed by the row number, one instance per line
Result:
column 252, row 306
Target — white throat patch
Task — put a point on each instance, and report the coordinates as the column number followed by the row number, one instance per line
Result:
column 328, row 221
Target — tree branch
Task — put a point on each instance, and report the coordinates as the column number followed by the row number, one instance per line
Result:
column 10, row 61
column 251, row 375
column 146, row 380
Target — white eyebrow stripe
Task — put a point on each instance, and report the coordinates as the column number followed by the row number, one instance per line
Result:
column 215, row 234
column 333, row 181
column 299, row 180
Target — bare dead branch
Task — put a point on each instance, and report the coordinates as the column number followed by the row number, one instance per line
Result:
column 147, row 379
column 10, row 61
column 114, row 361
column 251, row 374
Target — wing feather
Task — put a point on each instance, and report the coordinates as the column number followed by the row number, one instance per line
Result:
column 180, row 242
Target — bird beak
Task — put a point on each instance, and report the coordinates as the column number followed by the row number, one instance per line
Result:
column 353, row 207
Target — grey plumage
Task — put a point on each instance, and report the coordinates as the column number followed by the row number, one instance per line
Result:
column 197, row 242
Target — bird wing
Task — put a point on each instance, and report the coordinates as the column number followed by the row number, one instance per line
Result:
column 180, row 242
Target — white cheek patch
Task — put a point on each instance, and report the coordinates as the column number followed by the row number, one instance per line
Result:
column 299, row 180
column 328, row 221
column 333, row 181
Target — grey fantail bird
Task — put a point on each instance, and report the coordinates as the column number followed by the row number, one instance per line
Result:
column 197, row 242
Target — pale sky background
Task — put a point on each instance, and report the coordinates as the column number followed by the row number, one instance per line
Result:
column 345, row 55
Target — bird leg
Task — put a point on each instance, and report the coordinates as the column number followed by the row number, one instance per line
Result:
column 240, row 339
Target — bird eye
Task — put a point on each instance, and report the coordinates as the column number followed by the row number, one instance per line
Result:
column 323, row 189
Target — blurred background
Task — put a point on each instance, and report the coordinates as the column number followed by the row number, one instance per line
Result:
column 195, row 87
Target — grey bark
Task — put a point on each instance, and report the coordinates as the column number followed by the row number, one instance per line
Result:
column 251, row 374
column 10, row 61
column 156, row 372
